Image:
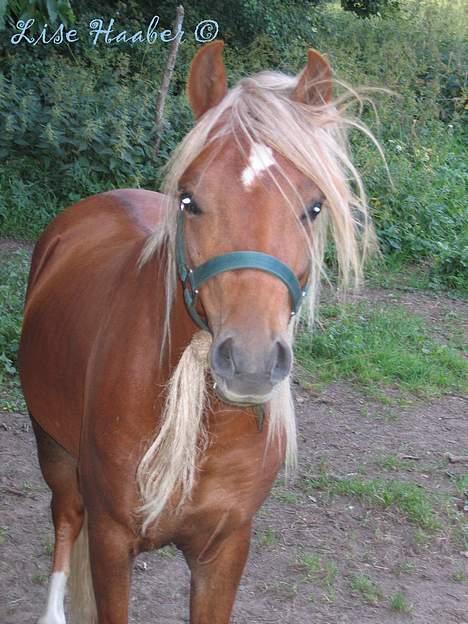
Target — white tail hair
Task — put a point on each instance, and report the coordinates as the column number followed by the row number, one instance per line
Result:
column 168, row 470
column 82, row 601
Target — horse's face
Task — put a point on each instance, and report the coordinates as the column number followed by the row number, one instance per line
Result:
column 232, row 203
column 236, row 206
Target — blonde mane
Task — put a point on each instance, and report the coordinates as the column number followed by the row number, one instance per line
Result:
column 313, row 138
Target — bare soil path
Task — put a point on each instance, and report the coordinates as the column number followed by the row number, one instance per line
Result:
column 340, row 432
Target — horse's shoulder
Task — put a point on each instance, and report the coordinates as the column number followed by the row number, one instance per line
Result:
column 144, row 208
column 109, row 220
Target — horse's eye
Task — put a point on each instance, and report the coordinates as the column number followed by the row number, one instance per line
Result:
column 313, row 211
column 188, row 203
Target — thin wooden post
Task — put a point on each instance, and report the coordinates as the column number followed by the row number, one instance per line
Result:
column 171, row 60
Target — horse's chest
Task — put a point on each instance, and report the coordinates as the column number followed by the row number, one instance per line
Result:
column 232, row 486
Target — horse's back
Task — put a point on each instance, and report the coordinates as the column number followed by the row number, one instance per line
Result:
column 84, row 259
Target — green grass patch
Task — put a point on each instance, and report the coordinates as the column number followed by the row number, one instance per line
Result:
column 285, row 496
column 395, row 463
column 379, row 347
column 410, row 499
column 461, row 484
column 40, row 579
column 318, row 569
column 399, row 602
column 268, row 537
column 459, row 576
column 366, row 588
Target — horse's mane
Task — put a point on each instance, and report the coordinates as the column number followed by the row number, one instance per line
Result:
column 259, row 109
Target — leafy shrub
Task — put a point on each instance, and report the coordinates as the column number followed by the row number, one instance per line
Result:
column 13, row 276
column 366, row 8
column 41, row 10
column 79, row 119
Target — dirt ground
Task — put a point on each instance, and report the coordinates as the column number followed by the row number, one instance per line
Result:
column 342, row 433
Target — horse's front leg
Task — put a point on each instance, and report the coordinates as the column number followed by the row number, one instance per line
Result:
column 216, row 574
column 111, row 549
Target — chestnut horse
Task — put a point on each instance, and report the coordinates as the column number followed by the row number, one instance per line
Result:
column 150, row 431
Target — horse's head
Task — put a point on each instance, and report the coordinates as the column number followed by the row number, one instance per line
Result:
column 232, row 204
column 253, row 176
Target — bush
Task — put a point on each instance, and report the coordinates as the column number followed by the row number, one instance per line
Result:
column 366, row 8
column 76, row 120
column 13, row 274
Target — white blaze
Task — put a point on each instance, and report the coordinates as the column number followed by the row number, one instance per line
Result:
column 261, row 157
column 55, row 613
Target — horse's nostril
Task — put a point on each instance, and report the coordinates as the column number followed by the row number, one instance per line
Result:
column 282, row 361
column 222, row 358
column 231, row 359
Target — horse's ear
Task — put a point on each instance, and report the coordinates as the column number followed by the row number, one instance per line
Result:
column 315, row 83
column 207, row 83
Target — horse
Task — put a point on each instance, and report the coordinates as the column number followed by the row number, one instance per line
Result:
column 156, row 348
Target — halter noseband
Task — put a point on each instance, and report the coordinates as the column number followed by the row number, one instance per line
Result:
column 192, row 279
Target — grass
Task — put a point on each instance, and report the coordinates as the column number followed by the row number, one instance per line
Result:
column 461, row 484
column 378, row 348
column 40, row 579
column 48, row 547
column 284, row 496
column 318, row 569
column 421, row 538
column 367, row 588
column 408, row 498
column 399, row 603
column 267, row 537
column 393, row 273
column 405, row 567
column 395, row 463
column 459, row 576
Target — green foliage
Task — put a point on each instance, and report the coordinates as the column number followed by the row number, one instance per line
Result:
column 13, row 276
column 42, row 11
column 424, row 217
column 367, row 8
column 380, row 347
column 76, row 119
column 420, row 56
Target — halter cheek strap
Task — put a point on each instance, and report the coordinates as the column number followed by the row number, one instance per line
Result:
column 192, row 279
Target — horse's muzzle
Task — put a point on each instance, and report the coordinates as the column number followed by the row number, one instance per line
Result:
column 245, row 373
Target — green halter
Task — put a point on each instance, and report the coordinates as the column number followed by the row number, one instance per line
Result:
column 192, row 279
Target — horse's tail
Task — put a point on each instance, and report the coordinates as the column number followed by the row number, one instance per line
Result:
column 81, row 592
